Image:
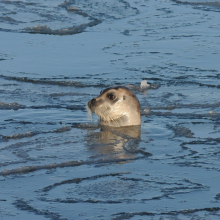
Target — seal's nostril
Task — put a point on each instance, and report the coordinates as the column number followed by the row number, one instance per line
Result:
column 93, row 101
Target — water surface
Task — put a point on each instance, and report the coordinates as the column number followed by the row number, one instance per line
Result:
column 55, row 163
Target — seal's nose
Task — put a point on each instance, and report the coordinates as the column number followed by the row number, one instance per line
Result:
column 93, row 101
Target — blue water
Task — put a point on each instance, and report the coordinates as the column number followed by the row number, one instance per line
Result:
column 55, row 163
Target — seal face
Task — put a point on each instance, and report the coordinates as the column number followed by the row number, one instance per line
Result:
column 116, row 106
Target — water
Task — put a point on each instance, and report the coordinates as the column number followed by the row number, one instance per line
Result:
column 55, row 56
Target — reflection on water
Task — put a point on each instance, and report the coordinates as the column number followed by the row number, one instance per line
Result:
column 115, row 143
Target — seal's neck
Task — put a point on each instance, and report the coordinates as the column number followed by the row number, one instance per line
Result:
column 119, row 122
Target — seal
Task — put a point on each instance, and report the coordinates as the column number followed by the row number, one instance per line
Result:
column 116, row 106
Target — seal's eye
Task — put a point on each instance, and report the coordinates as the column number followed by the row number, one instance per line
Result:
column 111, row 96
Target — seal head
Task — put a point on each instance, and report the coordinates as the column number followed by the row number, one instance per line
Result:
column 116, row 106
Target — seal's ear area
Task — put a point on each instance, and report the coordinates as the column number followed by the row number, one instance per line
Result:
column 123, row 97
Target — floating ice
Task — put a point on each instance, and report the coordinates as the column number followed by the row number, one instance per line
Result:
column 63, row 31
column 147, row 110
column 39, row 28
column 28, row 169
column 144, row 84
column 19, row 136
column 103, row 10
column 72, row 8
column 212, row 112
column 13, row 105
column 200, row 2
column 181, row 131
column 63, row 129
